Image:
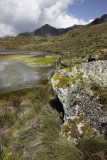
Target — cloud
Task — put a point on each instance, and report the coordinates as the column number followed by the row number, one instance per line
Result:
column 18, row 16
column 91, row 20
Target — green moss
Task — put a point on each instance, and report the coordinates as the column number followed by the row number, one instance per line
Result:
column 31, row 60
column 45, row 60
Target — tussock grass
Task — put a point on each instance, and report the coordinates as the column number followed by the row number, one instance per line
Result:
column 93, row 148
column 54, row 146
column 59, row 150
column 35, row 131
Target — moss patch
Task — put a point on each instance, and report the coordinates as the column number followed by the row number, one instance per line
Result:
column 48, row 60
column 31, row 60
column 64, row 81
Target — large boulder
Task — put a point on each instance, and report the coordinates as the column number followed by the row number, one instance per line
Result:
column 84, row 113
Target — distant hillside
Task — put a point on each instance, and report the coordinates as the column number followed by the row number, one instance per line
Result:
column 48, row 30
column 90, row 39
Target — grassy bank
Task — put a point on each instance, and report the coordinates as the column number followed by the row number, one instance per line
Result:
column 31, row 129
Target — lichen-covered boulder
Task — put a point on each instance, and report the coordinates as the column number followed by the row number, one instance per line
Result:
column 84, row 113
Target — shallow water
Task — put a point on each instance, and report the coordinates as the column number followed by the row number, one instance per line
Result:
column 14, row 74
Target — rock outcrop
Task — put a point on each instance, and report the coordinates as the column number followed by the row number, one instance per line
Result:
column 100, row 20
column 83, row 111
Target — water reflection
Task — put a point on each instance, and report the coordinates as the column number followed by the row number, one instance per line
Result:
column 14, row 75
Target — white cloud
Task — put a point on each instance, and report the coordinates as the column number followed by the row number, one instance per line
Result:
column 18, row 16
column 91, row 20
column 6, row 30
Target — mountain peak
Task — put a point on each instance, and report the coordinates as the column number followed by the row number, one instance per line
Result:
column 48, row 30
column 46, row 25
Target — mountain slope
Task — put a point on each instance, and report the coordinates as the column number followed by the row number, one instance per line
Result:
column 82, row 42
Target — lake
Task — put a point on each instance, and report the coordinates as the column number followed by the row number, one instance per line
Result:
column 19, row 70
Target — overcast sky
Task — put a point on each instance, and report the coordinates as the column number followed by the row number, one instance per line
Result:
column 17, row 16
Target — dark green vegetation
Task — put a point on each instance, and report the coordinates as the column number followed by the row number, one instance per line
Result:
column 31, row 129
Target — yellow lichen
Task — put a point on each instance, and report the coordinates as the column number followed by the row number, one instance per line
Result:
column 79, row 120
column 64, row 81
column 77, row 66
column 85, row 79
column 79, row 76
column 71, row 129
column 86, row 129
column 69, row 69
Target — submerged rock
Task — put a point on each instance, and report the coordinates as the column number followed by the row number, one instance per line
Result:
column 83, row 112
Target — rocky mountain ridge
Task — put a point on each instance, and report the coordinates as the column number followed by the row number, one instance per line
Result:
column 100, row 20
column 48, row 30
